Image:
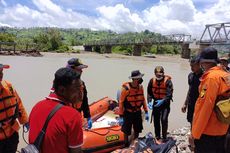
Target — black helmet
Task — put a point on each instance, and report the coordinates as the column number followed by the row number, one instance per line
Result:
column 209, row 54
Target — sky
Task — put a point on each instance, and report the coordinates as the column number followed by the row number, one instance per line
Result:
column 121, row 16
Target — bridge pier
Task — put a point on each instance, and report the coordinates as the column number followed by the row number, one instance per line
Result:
column 108, row 49
column 185, row 53
column 97, row 49
column 88, row 48
column 137, row 50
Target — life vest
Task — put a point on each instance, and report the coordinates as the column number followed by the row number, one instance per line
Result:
column 135, row 98
column 9, row 111
column 159, row 87
column 77, row 105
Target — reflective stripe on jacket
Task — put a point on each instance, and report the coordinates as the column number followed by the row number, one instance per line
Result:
column 132, row 99
column 159, row 87
column 11, row 108
column 214, row 83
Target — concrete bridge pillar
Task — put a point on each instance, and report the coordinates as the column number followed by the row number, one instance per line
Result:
column 137, row 50
column 185, row 53
column 97, row 49
column 108, row 49
column 88, row 48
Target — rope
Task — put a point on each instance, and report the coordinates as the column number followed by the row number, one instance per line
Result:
column 23, row 134
column 98, row 133
column 108, row 130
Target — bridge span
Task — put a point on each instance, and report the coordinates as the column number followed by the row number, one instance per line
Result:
column 217, row 34
column 174, row 39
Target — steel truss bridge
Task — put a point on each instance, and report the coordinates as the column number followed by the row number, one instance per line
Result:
column 216, row 34
column 164, row 39
column 137, row 43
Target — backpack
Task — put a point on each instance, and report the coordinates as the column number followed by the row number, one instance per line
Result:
column 222, row 109
column 30, row 148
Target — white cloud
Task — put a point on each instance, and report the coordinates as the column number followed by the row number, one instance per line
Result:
column 169, row 17
column 4, row 25
column 166, row 17
column 3, row 3
column 119, row 18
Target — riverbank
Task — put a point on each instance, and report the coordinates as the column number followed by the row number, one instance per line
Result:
column 181, row 135
column 155, row 57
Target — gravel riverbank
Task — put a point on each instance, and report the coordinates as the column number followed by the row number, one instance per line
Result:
column 181, row 135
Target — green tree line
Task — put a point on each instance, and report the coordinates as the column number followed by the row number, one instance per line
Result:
column 61, row 40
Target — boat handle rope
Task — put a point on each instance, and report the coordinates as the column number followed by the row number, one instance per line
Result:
column 109, row 128
column 98, row 132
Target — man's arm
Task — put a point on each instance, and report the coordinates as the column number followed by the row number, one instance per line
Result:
column 124, row 93
column 85, row 104
column 185, row 105
column 144, row 102
column 169, row 90
column 22, row 114
column 75, row 133
column 149, row 91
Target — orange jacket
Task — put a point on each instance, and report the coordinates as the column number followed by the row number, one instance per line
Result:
column 159, row 90
column 214, row 82
column 132, row 99
column 11, row 109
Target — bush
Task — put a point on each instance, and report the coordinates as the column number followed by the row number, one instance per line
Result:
column 127, row 50
column 63, row 49
column 6, row 37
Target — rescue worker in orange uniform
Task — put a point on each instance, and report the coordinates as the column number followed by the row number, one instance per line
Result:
column 131, row 102
column 77, row 65
column 160, row 90
column 208, row 132
column 12, row 113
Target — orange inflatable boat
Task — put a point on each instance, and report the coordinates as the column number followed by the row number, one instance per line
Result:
column 106, row 134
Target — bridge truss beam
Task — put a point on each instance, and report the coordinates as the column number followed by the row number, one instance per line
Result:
column 216, row 34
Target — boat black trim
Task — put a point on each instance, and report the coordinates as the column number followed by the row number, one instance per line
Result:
column 110, row 145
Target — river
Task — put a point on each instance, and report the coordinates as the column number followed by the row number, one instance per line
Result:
column 32, row 77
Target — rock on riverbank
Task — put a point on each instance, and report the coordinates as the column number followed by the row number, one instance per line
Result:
column 181, row 135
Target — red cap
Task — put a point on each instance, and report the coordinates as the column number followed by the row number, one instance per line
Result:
column 2, row 66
